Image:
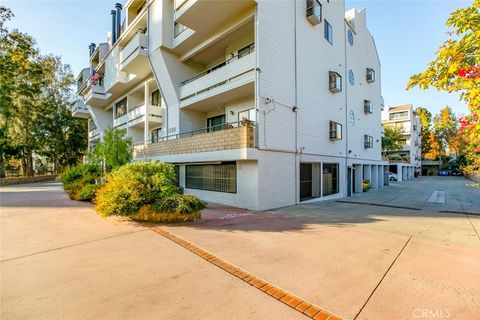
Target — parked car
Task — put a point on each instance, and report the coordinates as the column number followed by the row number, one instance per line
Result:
column 456, row 172
column 392, row 176
column 443, row 173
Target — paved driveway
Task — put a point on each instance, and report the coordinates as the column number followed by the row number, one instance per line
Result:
column 360, row 261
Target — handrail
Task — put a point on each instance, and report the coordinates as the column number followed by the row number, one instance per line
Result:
column 225, row 126
column 251, row 48
column 136, row 107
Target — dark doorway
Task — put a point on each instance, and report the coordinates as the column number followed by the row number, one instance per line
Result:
column 349, row 181
column 305, row 181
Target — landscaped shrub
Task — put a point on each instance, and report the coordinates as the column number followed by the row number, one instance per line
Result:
column 173, row 208
column 133, row 185
column 405, row 158
column 87, row 193
column 81, row 182
column 366, row 185
column 119, row 196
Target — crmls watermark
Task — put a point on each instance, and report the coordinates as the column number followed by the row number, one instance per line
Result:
column 425, row 313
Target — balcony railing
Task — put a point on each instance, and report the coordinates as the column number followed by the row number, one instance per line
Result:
column 236, row 135
column 250, row 49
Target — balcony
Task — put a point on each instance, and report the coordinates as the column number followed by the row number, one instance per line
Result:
column 79, row 110
column 231, row 77
column 133, row 57
column 94, row 94
column 192, row 13
column 136, row 116
column 237, row 135
column 93, row 134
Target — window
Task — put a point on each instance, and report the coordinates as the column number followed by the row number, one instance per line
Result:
column 350, row 37
column 328, row 32
column 245, row 51
column 156, row 98
column 370, row 75
column 335, row 131
column 212, row 177
column 414, row 127
column 121, row 108
column 249, row 114
column 367, row 106
column 368, row 141
column 335, row 82
column 156, row 134
column 314, row 12
column 398, row 115
column 215, row 123
column 330, row 178
column 351, row 77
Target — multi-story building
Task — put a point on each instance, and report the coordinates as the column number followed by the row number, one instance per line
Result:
column 259, row 104
column 405, row 117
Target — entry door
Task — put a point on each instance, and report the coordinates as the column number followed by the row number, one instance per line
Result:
column 305, row 181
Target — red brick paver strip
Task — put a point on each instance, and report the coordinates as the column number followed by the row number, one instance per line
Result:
column 301, row 305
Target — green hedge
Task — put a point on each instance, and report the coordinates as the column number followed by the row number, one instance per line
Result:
column 81, row 182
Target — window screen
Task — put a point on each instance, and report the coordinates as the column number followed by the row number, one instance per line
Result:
column 212, row 177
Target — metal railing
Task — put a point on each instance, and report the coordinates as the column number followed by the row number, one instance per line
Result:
column 225, row 126
column 250, row 49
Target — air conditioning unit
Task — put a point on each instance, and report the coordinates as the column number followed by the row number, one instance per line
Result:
column 314, row 12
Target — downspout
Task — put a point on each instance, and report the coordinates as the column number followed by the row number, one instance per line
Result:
column 346, row 108
column 297, row 178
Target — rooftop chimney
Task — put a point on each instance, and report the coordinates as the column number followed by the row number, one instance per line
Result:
column 118, row 6
column 114, row 34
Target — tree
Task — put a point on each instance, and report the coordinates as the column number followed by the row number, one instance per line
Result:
column 425, row 118
column 114, row 150
column 456, row 69
column 446, row 125
column 35, row 92
column 435, row 151
column 391, row 140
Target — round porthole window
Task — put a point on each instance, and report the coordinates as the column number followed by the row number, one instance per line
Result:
column 350, row 37
column 351, row 78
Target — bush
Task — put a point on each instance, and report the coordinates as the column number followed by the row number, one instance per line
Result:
column 72, row 174
column 366, row 185
column 395, row 157
column 87, row 193
column 174, row 208
column 80, row 182
column 133, row 185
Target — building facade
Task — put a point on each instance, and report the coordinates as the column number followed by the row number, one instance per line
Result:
column 405, row 117
column 263, row 104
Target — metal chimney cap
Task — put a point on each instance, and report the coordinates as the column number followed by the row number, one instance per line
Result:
column 113, row 12
column 118, row 5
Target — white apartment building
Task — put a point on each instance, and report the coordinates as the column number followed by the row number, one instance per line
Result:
column 259, row 104
column 404, row 116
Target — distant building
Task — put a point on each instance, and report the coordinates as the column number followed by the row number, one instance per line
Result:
column 405, row 117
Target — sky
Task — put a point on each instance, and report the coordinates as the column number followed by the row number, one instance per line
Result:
column 407, row 34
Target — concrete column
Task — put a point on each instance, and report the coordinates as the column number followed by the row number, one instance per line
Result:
column 404, row 173
column 316, row 180
column 146, row 132
column 374, row 177
column 367, row 172
column 380, row 176
column 358, row 178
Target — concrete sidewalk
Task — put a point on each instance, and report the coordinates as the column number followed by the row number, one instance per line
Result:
column 60, row 260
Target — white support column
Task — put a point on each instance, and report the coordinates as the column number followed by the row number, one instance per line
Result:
column 367, row 172
column 146, row 133
column 374, row 173
column 358, row 178
column 381, row 180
